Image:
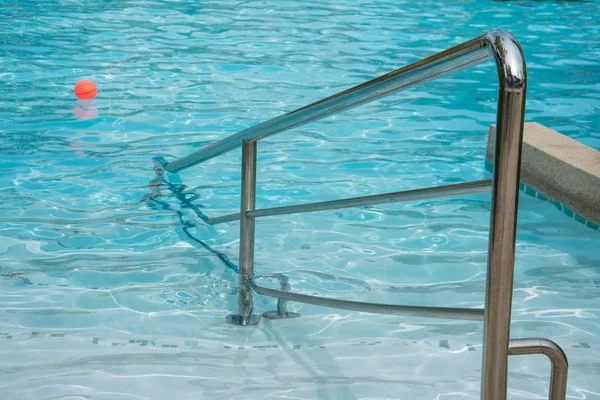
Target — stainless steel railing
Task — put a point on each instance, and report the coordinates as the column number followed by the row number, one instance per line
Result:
column 506, row 51
column 557, row 357
column 394, row 197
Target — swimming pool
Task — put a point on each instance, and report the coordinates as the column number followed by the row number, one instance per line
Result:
column 118, row 299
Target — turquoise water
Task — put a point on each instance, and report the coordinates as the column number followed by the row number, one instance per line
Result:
column 106, row 296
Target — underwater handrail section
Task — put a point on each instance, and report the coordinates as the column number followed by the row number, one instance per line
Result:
column 512, row 75
column 468, row 314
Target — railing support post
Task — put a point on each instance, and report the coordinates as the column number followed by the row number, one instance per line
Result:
column 248, row 203
column 503, row 225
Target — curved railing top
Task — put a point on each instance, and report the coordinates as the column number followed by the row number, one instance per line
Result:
column 507, row 51
column 498, row 44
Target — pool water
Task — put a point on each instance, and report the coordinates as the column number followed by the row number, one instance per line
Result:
column 107, row 294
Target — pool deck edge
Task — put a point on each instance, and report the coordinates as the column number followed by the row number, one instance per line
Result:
column 560, row 168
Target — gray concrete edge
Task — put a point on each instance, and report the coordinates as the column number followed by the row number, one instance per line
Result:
column 559, row 168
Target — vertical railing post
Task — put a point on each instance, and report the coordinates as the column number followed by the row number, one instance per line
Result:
column 248, row 202
column 503, row 225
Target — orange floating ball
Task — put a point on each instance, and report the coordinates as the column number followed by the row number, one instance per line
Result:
column 85, row 90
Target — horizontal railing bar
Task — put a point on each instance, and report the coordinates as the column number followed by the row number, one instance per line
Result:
column 470, row 314
column 394, row 197
column 223, row 218
column 441, row 64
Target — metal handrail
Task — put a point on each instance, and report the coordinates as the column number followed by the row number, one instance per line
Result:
column 558, row 360
column 386, row 198
column 468, row 314
column 506, row 51
column 447, row 62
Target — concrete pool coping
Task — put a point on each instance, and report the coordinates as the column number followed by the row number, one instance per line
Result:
column 559, row 168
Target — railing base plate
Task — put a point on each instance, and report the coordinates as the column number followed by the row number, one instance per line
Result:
column 235, row 319
column 278, row 315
